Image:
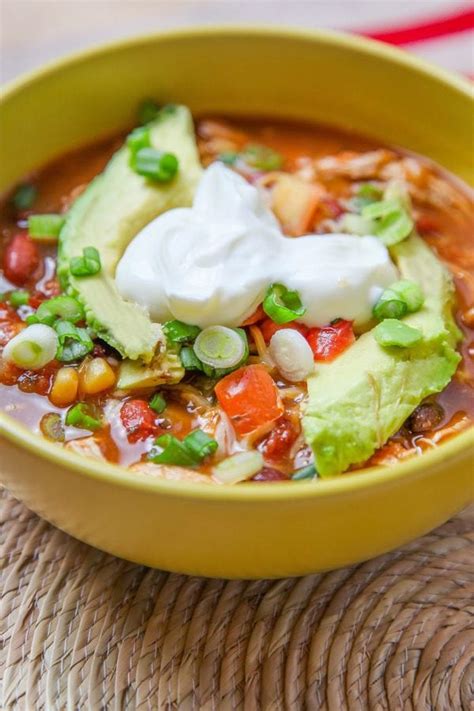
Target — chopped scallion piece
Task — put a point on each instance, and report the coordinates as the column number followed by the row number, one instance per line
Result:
column 392, row 332
column 410, row 292
column 262, row 157
column 389, row 307
column 200, row 445
column 148, row 111
column 33, row 348
column 80, row 416
column 189, row 359
column 393, row 223
column 369, row 190
column 221, row 347
column 357, row 225
column 239, row 467
column 74, row 342
column 154, row 164
column 158, row 403
column 45, row 226
column 187, row 453
column 171, row 451
column 139, row 138
column 87, row 265
column 308, row 472
column 283, row 305
column 18, row 298
column 401, row 298
column 63, row 307
column 24, row 196
column 179, row 332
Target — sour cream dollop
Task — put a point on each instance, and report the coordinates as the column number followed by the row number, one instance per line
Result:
column 213, row 263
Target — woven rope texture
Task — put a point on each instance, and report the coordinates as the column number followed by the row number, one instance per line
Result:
column 82, row 630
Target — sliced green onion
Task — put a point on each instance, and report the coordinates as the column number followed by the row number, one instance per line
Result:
column 401, row 298
column 308, row 472
column 261, row 157
column 380, row 209
column 172, row 451
column 24, row 196
column 393, row 223
column 87, row 265
column 394, row 228
column 158, row 403
column 80, row 416
column 139, row 138
column 179, row 332
column 18, row 298
column 154, row 164
column 369, row 190
column 200, row 445
column 32, row 348
column 189, row 359
column 74, row 342
column 219, row 347
column 389, row 306
column 52, row 428
column 392, row 332
column 410, row 292
column 356, row 224
column 148, row 111
column 228, row 157
column 45, row 226
column 239, row 467
column 63, row 307
column 283, row 305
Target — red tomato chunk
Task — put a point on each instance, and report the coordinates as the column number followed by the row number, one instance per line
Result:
column 21, row 259
column 250, row 398
column 10, row 323
column 329, row 342
column 138, row 419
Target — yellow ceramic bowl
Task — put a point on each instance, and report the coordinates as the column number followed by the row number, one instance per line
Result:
column 248, row 530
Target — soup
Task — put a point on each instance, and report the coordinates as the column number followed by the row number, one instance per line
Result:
column 238, row 300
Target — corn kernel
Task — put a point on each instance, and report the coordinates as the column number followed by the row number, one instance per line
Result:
column 65, row 386
column 97, row 376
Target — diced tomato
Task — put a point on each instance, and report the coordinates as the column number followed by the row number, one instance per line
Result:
column 9, row 373
column 250, row 398
column 425, row 224
column 269, row 328
column 280, row 439
column 21, row 259
column 36, row 298
column 329, row 342
column 270, row 474
column 258, row 315
column 331, row 207
column 10, row 323
column 138, row 419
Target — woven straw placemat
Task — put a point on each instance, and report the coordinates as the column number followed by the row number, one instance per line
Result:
column 84, row 630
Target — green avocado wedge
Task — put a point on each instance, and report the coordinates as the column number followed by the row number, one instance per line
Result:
column 108, row 215
column 363, row 397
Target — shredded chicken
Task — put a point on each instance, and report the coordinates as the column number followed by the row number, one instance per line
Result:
column 172, row 473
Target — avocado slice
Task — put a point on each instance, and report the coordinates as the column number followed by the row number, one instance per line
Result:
column 359, row 400
column 112, row 210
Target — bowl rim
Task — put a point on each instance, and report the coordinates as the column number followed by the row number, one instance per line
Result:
column 376, row 477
